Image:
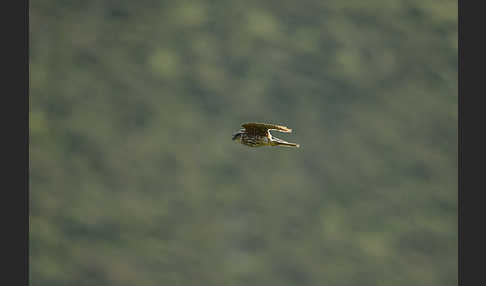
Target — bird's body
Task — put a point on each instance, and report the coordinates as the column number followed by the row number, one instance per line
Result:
column 257, row 134
column 254, row 140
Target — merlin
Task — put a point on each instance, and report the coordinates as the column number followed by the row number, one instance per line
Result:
column 258, row 134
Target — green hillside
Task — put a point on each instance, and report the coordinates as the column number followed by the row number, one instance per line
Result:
column 134, row 178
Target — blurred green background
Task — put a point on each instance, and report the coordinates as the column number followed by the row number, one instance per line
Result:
column 134, row 179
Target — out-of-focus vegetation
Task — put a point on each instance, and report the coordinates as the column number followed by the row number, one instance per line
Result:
column 134, row 179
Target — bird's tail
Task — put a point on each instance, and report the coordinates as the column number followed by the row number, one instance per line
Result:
column 280, row 142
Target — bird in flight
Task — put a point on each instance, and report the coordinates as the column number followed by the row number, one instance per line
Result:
column 258, row 134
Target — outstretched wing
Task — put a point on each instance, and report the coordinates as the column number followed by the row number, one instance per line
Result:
column 278, row 141
column 262, row 128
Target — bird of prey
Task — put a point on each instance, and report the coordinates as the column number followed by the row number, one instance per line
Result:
column 258, row 134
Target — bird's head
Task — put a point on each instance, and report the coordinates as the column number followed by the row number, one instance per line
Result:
column 237, row 135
